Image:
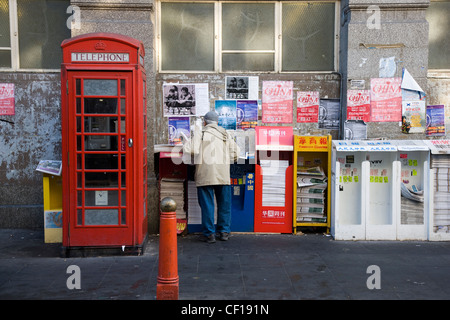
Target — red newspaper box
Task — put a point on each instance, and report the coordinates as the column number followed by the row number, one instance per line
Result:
column 273, row 179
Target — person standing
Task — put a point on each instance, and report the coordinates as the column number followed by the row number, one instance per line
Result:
column 213, row 149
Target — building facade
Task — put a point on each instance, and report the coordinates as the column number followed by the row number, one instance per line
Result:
column 325, row 46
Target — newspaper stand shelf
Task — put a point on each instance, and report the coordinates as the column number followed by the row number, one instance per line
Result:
column 172, row 181
column 439, row 213
column 412, row 218
column 311, row 152
column 379, row 199
column 348, row 203
column 273, row 180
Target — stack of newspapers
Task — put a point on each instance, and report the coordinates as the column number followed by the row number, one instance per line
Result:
column 311, row 194
column 174, row 188
column 441, row 201
column 194, row 210
column 274, row 182
column 412, row 199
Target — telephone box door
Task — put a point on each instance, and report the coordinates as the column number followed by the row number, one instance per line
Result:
column 100, row 158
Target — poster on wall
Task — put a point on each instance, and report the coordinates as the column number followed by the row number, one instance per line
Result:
column 307, row 106
column 329, row 110
column 226, row 109
column 181, row 99
column 7, row 103
column 246, row 114
column 435, row 120
column 358, row 105
column 178, row 125
column 385, row 99
column 355, row 130
column 242, row 88
column 413, row 116
column 277, row 101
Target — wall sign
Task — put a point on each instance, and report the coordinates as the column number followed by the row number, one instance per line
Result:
column 100, row 57
column 7, row 99
column 277, row 101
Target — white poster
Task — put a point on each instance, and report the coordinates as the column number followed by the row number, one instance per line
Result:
column 185, row 99
column 241, row 88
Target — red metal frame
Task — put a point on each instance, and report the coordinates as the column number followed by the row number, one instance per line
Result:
column 278, row 140
column 93, row 48
column 275, row 224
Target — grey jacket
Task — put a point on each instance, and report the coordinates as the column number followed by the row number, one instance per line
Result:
column 213, row 149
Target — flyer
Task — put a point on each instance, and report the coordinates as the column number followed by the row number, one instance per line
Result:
column 358, row 105
column 329, row 111
column 246, row 114
column 385, row 99
column 7, row 102
column 178, row 125
column 413, row 115
column 53, row 167
column 241, row 87
column 307, row 106
column 277, row 101
column 226, row 109
column 435, row 120
column 182, row 99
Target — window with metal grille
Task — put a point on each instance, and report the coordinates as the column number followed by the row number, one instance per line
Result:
column 31, row 32
column 247, row 36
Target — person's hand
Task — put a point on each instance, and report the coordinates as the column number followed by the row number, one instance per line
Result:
column 184, row 138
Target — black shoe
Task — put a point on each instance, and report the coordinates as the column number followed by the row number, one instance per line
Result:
column 209, row 239
column 224, row 236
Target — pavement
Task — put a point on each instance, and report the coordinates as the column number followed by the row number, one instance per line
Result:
column 250, row 266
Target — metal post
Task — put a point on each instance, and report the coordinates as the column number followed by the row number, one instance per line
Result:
column 167, row 284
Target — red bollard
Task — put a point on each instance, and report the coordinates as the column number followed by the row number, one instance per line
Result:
column 167, row 284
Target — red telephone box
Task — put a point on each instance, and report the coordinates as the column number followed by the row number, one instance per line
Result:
column 104, row 141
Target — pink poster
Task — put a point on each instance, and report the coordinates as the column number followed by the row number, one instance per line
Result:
column 307, row 106
column 7, row 99
column 274, row 136
column 358, row 105
column 386, row 99
column 277, row 101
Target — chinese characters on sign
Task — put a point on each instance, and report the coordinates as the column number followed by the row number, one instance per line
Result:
column 311, row 143
column 7, row 99
column 276, row 214
column 386, row 99
column 308, row 107
column 277, row 101
column 358, row 105
column 275, row 136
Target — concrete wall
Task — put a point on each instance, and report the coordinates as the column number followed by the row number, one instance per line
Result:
column 31, row 135
column 402, row 33
column 328, row 84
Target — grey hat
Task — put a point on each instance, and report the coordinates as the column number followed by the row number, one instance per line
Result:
column 211, row 116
